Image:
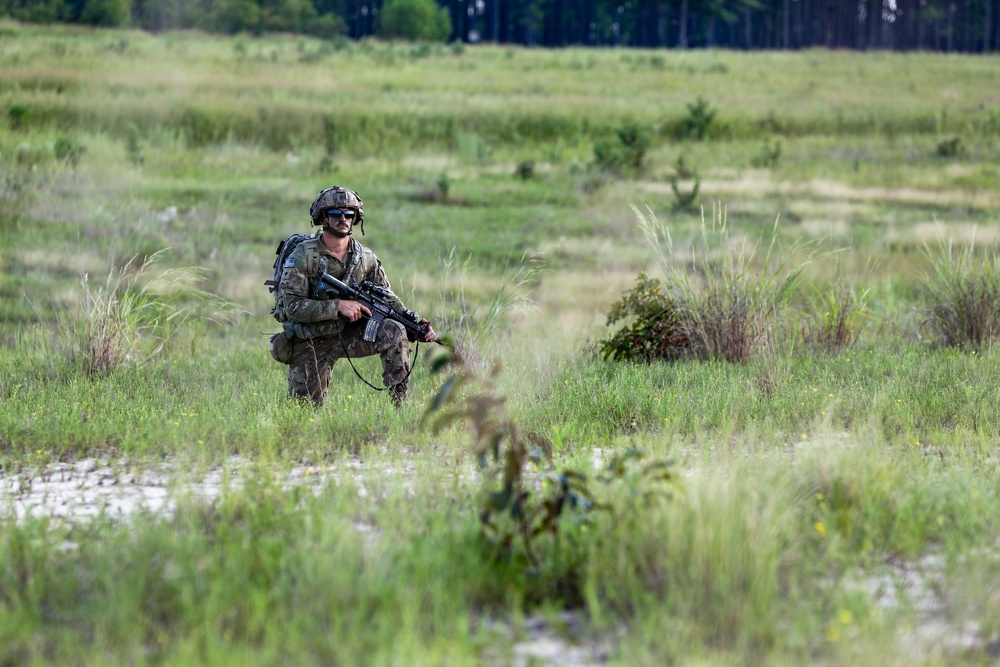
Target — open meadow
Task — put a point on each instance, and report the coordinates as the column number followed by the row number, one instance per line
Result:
column 807, row 474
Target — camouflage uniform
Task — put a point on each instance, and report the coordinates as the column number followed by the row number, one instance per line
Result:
column 321, row 336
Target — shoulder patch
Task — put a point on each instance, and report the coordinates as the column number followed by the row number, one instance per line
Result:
column 289, row 263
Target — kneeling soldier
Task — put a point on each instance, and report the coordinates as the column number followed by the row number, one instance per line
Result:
column 322, row 330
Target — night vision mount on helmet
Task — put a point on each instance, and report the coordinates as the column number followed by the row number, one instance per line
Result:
column 337, row 197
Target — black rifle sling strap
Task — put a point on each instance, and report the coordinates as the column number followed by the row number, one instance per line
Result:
column 343, row 345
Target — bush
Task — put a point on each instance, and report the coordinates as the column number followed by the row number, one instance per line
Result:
column 768, row 155
column 18, row 115
column 655, row 330
column 962, row 291
column 724, row 306
column 69, row 151
column 699, row 117
column 625, row 152
column 948, row 148
column 133, row 147
column 525, row 170
column 106, row 13
column 413, row 20
column 684, row 200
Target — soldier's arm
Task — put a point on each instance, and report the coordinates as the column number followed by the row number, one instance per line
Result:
column 294, row 287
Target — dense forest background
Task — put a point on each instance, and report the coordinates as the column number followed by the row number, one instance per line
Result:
column 939, row 25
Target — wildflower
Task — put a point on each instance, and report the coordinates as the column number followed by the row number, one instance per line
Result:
column 820, row 528
column 311, row 419
column 833, row 633
column 819, row 496
column 845, row 617
column 201, row 442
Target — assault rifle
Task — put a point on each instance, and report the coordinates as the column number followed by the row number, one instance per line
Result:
column 374, row 298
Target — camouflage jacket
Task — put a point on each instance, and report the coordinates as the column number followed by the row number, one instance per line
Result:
column 319, row 317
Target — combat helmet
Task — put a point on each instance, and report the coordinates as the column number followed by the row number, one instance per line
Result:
column 338, row 197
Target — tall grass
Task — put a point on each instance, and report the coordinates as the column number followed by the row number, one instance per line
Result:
column 835, row 317
column 962, row 294
column 729, row 293
column 134, row 314
column 480, row 324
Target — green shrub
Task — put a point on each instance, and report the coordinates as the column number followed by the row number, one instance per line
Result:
column 519, row 507
column 525, row 170
column 415, row 20
column 768, row 155
column 106, row 13
column 726, row 301
column 17, row 115
column 625, row 152
column 962, row 295
column 133, row 147
column 443, row 184
column 949, row 148
column 654, row 330
column 684, row 200
column 69, row 151
column 700, row 115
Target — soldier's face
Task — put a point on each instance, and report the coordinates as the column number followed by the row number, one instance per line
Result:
column 339, row 221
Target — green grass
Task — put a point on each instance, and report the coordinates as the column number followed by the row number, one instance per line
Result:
column 808, row 478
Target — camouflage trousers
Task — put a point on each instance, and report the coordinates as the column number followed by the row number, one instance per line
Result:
column 312, row 360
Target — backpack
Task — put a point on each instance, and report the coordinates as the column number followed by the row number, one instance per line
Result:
column 285, row 249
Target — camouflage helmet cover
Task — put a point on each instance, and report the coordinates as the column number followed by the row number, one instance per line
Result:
column 337, row 197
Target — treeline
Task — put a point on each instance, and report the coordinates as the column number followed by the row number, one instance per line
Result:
column 938, row 25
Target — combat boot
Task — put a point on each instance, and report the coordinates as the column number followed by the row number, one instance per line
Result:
column 398, row 393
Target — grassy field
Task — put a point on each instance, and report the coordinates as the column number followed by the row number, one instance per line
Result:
column 832, row 505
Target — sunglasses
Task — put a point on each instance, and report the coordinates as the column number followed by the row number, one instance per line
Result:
column 335, row 212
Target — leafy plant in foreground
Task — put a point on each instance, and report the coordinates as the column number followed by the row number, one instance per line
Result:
column 523, row 496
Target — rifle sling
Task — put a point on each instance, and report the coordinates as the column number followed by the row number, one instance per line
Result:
column 343, row 345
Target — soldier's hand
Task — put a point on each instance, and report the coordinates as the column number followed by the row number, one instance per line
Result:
column 352, row 310
column 429, row 336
